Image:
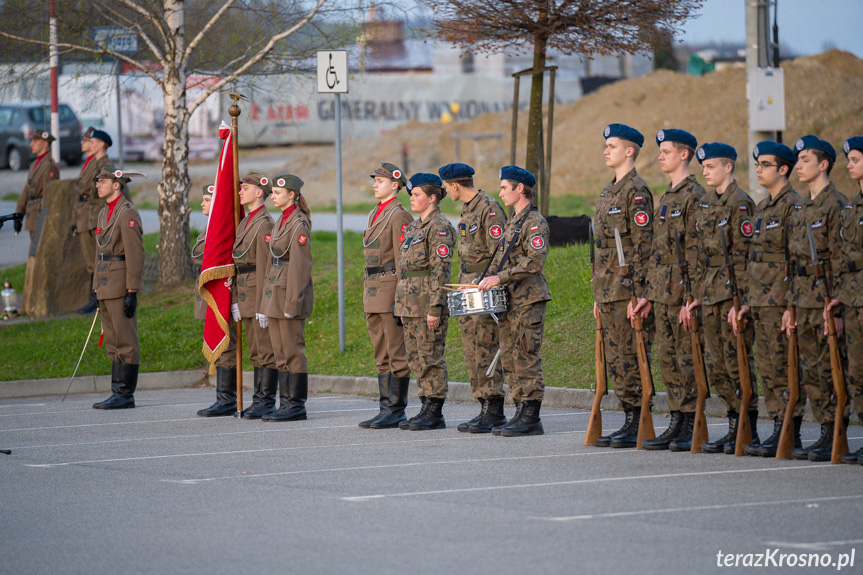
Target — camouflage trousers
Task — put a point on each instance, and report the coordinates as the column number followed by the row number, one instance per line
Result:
column 771, row 348
column 621, row 357
column 674, row 346
column 260, row 346
column 521, row 330
column 480, row 340
column 815, row 373
column 854, row 343
column 426, row 355
column 720, row 356
column 388, row 339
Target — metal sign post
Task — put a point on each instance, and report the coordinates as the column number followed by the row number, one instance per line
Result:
column 121, row 41
column 332, row 78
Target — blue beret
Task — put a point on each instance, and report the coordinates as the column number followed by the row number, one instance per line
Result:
column 771, row 148
column 421, row 179
column 517, row 174
column 100, row 135
column 456, row 171
column 680, row 136
column 855, row 143
column 715, row 150
column 811, row 142
column 625, row 132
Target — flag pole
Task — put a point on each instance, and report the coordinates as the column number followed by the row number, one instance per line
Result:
column 234, row 111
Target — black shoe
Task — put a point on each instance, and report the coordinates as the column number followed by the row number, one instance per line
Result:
column 605, row 440
column 406, row 424
column 731, row 447
column 115, row 384
column 123, row 389
column 826, row 439
column 768, row 447
column 398, row 401
column 463, row 427
column 92, row 303
column 497, row 429
column 683, row 441
column 226, row 394
column 823, row 452
column 527, row 423
column 264, row 400
column 491, row 416
column 629, row 438
column 852, row 458
column 383, row 399
column 665, row 439
column 293, row 392
column 433, row 417
column 719, row 445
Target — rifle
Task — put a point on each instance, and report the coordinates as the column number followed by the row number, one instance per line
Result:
column 16, row 216
column 645, row 424
column 699, row 429
column 840, row 439
column 594, row 424
column 786, row 436
column 744, row 429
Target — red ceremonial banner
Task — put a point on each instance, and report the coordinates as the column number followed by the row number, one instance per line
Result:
column 217, row 269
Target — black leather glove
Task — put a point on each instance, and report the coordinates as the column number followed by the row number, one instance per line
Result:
column 130, row 303
column 17, row 225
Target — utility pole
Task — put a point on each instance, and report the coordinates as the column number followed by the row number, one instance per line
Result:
column 55, row 63
column 757, row 56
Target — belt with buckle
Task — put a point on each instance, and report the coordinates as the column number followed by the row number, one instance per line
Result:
column 111, row 258
column 245, row 269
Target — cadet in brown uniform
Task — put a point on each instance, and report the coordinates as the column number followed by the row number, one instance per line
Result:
column 251, row 255
column 117, row 279
column 95, row 144
column 765, row 286
column 425, row 261
column 382, row 238
column 226, row 364
column 727, row 207
column 288, row 297
column 479, row 233
column 42, row 171
column 518, row 267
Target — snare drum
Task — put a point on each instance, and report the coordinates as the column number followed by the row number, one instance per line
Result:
column 472, row 301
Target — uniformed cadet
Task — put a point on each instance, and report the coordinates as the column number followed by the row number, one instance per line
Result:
column 727, row 207
column 848, row 289
column 625, row 204
column 95, row 144
column 251, row 254
column 479, row 233
column 765, row 286
column 425, row 260
column 226, row 363
column 382, row 238
column 518, row 267
column 41, row 172
column 117, row 279
column 674, row 215
column 288, row 297
column 820, row 212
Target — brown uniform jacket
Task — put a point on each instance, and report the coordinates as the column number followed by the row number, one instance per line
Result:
column 766, row 283
column 732, row 210
column 849, row 282
column 89, row 202
column 198, row 260
column 381, row 242
column 675, row 214
column 626, row 205
column 479, row 232
column 250, row 256
column 288, row 287
column 521, row 273
column 119, row 237
column 41, row 172
column 425, row 261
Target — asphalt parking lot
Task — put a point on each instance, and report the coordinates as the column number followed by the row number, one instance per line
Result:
column 158, row 490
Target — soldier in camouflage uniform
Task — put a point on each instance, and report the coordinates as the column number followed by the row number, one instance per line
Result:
column 765, row 285
column 40, row 174
column 518, row 267
column 425, row 261
column 625, row 204
column 479, row 233
column 727, row 207
column 674, row 216
column 820, row 212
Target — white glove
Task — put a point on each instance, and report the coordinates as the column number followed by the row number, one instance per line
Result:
column 263, row 320
column 235, row 311
column 289, row 316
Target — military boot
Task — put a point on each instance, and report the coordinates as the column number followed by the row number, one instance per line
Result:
column 852, row 458
column 383, row 401
column 293, row 392
column 492, row 416
column 463, row 427
column 605, row 440
column 226, row 394
column 433, row 417
column 719, row 445
column 406, row 424
column 124, row 395
column 683, row 441
column 768, row 447
column 629, row 438
column 398, row 401
column 496, row 430
column 92, row 303
column 826, row 439
column 665, row 439
column 266, row 385
column 824, row 452
column 115, row 384
column 528, row 422
column 731, row 446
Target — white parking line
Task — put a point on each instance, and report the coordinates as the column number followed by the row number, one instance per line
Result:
column 815, row 546
column 22, row 405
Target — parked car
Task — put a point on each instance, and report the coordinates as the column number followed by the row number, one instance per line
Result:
column 19, row 121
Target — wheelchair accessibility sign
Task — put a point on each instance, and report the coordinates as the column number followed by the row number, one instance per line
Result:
column 333, row 72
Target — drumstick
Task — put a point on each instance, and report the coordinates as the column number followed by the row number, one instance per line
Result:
column 460, row 285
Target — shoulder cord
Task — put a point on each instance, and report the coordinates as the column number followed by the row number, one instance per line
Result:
column 294, row 226
column 241, row 237
column 116, row 217
column 380, row 231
